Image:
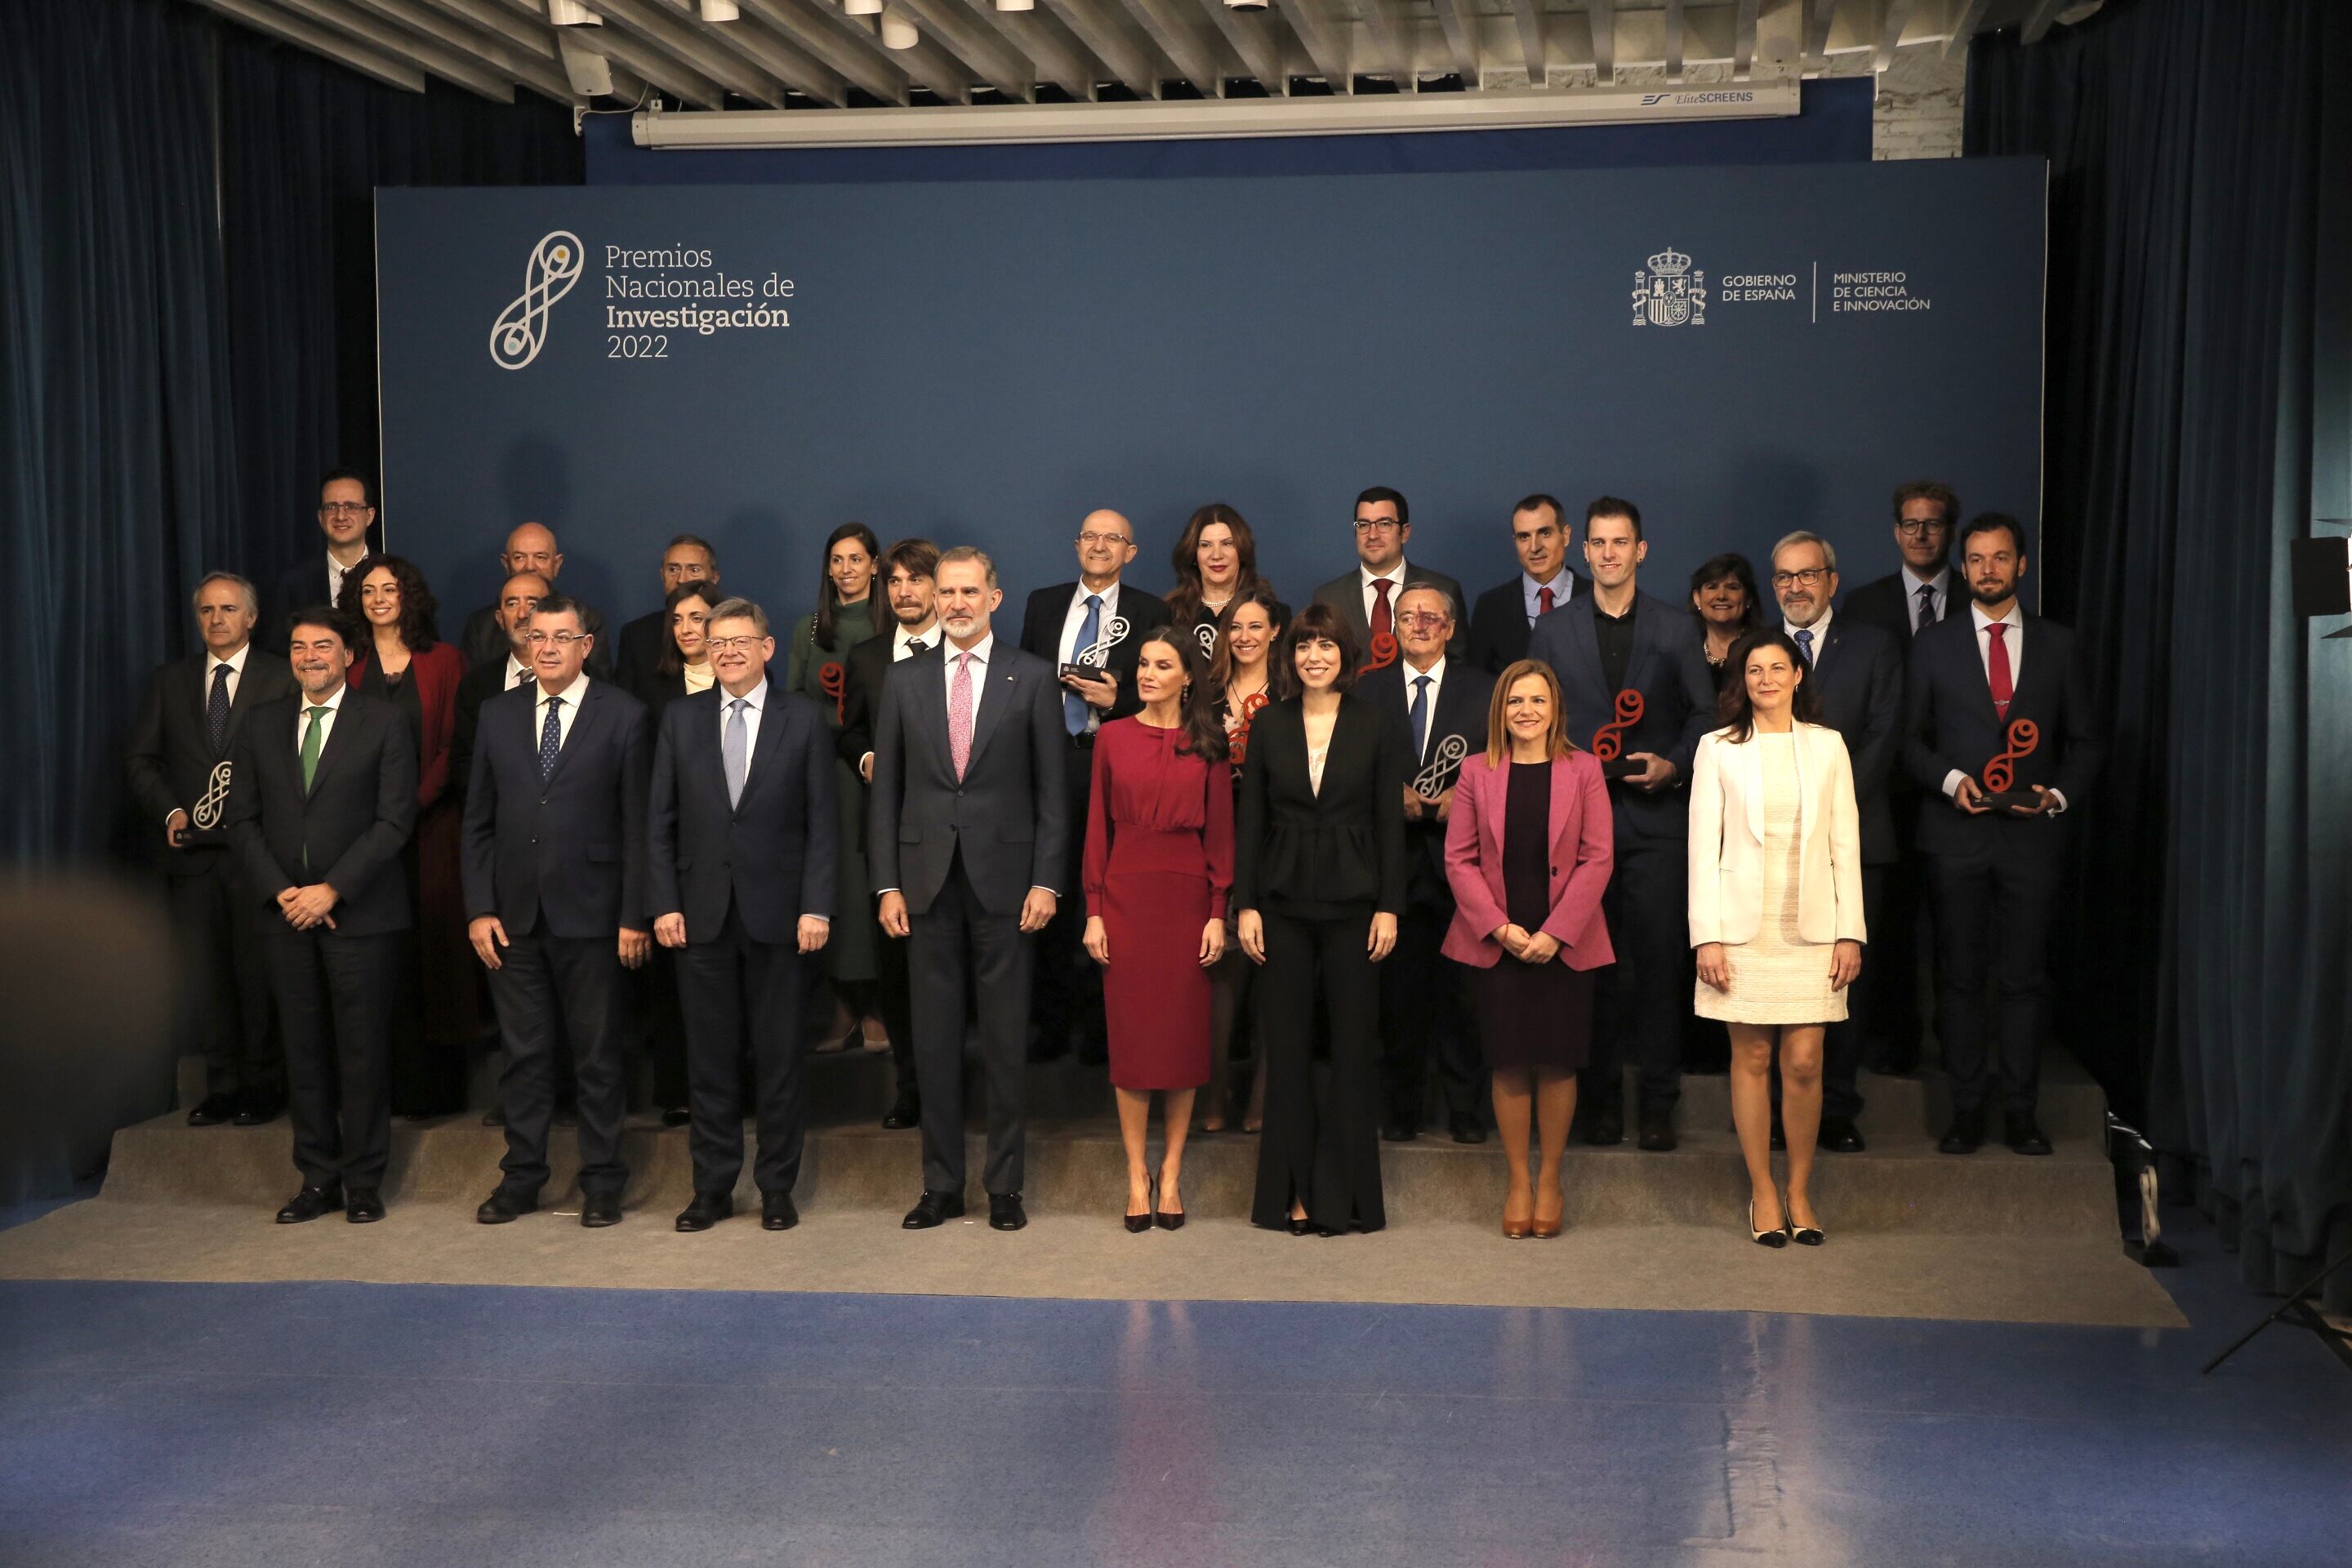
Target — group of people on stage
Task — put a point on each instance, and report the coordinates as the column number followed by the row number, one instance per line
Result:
column 1528, row 844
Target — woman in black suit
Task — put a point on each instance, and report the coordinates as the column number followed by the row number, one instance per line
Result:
column 684, row 667
column 1320, row 881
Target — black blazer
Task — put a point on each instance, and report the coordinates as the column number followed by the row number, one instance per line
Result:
column 1858, row 677
column 1461, row 707
column 484, row 641
column 1885, row 603
column 359, row 812
column 1041, row 634
column 301, row 586
column 636, row 654
column 1009, row 814
column 1328, row 856
column 1677, row 693
column 568, row 851
column 482, row 682
column 1346, row 594
column 774, row 852
column 1950, row 723
column 169, row 761
column 864, row 667
column 1500, row 628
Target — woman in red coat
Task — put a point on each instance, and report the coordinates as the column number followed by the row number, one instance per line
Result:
column 401, row 661
column 1159, row 868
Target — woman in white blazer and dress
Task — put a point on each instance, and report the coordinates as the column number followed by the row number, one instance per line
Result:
column 1775, row 910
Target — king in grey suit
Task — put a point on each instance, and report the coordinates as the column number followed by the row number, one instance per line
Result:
column 968, row 826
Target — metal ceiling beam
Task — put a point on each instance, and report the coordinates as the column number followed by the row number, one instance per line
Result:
column 1602, row 14
column 1178, row 31
column 1252, row 36
column 1891, row 23
column 1526, row 16
column 1817, row 31
column 861, row 68
column 1391, row 31
column 666, row 73
column 982, row 52
column 658, row 26
column 374, row 64
column 1326, row 45
column 1057, row 57
column 1675, row 41
column 1743, row 42
column 762, row 49
column 2038, row 20
column 1458, row 20
column 926, row 63
column 524, row 66
column 1966, row 16
column 1111, row 38
column 438, row 59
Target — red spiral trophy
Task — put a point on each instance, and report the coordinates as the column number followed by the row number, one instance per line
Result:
column 1250, row 707
column 833, row 680
column 1609, row 740
column 2001, row 773
column 1383, row 654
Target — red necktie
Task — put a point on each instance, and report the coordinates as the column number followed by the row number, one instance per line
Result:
column 1543, row 601
column 1383, row 625
column 1996, row 664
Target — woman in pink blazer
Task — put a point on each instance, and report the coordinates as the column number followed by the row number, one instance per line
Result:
column 1529, row 847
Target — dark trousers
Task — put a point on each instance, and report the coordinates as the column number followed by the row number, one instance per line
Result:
column 894, row 997
column 1425, row 1015
column 219, row 930
column 961, row 952
column 1842, row 1042
column 1892, row 1028
column 1993, row 919
column 657, row 1019
column 1069, row 984
column 1320, row 1141
column 550, row 989
column 334, row 999
column 1646, row 994
column 730, row 984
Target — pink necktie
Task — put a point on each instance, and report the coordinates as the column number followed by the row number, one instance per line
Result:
column 1997, row 669
column 960, row 714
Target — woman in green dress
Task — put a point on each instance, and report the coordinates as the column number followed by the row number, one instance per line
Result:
column 848, row 611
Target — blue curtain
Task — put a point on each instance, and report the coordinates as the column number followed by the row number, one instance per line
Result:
column 2199, row 417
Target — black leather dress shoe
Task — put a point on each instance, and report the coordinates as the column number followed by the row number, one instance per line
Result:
column 364, row 1206
column 2025, row 1134
column 1604, row 1128
column 905, row 1111
column 1658, row 1132
column 252, row 1112
column 310, row 1202
column 505, row 1204
column 777, row 1213
column 1004, row 1211
column 494, row 1117
column 1399, row 1132
column 707, row 1210
column 1839, row 1135
column 1468, row 1129
column 598, row 1210
column 212, row 1111
column 676, row 1116
column 932, row 1209
column 1965, row 1135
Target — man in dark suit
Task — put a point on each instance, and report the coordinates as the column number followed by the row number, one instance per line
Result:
column 967, row 833
column 689, row 558
column 1618, row 639
column 346, row 512
column 742, row 849
column 555, row 873
column 907, row 582
column 1994, row 869
column 322, row 798
column 178, row 759
column 1505, row 614
column 1366, row 597
column 1857, row 671
column 1439, row 705
column 1918, row 595
column 518, row 596
column 1061, row 623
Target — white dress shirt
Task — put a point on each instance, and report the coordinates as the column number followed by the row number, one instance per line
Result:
column 902, row 640
column 333, row 704
column 1941, row 598
column 2015, row 641
column 754, row 702
column 565, row 715
column 1394, row 575
column 235, row 663
column 1073, row 620
column 1412, row 678
column 517, row 672
column 336, row 571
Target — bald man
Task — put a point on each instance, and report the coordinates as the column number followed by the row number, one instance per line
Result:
column 531, row 548
column 1062, row 622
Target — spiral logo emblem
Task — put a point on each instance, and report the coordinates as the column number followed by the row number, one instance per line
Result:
column 207, row 816
column 1444, row 764
column 555, row 265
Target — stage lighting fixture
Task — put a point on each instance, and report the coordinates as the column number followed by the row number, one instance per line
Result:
column 720, row 10
column 898, row 29
column 1016, row 5
column 861, row 8
column 1246, row 5
column 571, row 14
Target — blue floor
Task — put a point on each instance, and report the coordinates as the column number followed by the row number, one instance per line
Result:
column 431, row 1426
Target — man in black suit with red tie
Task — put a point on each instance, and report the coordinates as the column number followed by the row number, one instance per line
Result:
column 322, row 799
column 1061, row 623
column 179, row 768
column 1505, row 614
column 1617, row 639
column 1994, row 867
column 742, row 849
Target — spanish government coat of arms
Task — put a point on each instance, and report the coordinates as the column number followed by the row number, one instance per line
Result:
column 1669, row 293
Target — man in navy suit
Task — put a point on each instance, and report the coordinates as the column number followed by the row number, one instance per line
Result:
column 322, row 799
column 967, row 834
column 1619, row 639
column 742, row 849
column 1994, row 871
column 1505, row 614
column 554, row 876
column 1857, row 671
column 346, row 512
column 1424, row 1003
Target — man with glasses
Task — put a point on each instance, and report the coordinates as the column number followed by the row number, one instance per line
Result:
column 346, row 512
column 1367, row 596
column 1856, row 672
column 1505, row 614
column 1061, row 623
column 1918, row 595
column 554, row 869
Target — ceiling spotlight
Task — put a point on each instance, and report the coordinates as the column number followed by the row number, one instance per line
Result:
column 720, row 10
column 898, row 29
column 1244, row 5
column 571, row 14
column 1016, row 5
column 861, row 8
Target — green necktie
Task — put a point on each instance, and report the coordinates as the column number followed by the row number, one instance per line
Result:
column 311, row 739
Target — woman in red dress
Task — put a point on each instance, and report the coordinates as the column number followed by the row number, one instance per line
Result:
column 1159, row 866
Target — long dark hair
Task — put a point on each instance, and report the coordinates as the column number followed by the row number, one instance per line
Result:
column 1319, row 622
column 672, row 662
column 418, row 609
column 1185, row 597
column 1277, row 616
column 1731, row 703
column 1714, row 569
column 828, row 597
column 1205, row 737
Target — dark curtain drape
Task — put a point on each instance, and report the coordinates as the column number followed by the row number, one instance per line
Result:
column 2198, row 415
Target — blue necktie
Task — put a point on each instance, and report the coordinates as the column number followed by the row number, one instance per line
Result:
column 1420, row 716
column 1074, row 707
column 1926, row 609
column 735, row 749
column 216, row 711
column 551, row 738
column 1805, row 645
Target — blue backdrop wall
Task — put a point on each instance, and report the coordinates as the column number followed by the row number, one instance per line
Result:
column 984, row 361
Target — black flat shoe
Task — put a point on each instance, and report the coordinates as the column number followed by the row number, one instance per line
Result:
column 907, row 1111
column 213, row 1111
column 1399, row 1132
column 310, row 1202
column 600, row 1209
column 2026, row 1135
column 707, row 1210
column 1839, row 1135
column 1004, row 1211
column 1301, row 1226
column 676, row 1116
column 504, row 1205
column 777, row 1213
column 933, row 1208
column 364, row 1206
column 1778, row 1237
column 1605, row 1127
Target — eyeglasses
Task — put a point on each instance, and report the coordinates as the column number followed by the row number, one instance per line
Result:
column 344, row 507
column 1091, row 538
column 1809, row 576
column 1376, row 524
column 1422, row 620
column 734, row 645
column 1912, row 527
column 560, row 640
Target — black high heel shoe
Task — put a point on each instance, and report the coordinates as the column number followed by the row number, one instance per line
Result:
column 1166, row 1221
column 1778, row 1237
column 1137, row 1224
